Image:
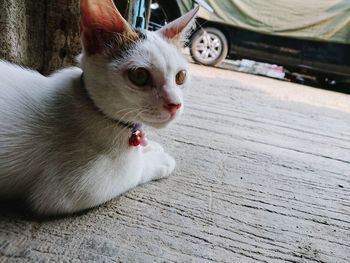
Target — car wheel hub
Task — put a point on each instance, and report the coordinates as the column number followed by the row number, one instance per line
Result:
column 208, row 47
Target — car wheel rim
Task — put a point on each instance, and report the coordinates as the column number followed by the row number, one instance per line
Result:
column 207, row 47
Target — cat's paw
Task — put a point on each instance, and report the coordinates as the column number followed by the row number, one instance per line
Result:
column 157, row 165
column 166, row 165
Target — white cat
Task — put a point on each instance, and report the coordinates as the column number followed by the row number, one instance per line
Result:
column 70, row 141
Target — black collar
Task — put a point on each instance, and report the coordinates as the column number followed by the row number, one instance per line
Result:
column 130, row 125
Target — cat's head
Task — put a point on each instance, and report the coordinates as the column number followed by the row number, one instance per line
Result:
column 133, row 76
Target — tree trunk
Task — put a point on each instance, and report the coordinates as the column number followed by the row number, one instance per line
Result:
column 43, row 34
column 22, row 32
column 62, row 40
column 40, row 34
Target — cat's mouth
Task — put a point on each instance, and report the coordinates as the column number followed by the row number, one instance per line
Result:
column 158, row 122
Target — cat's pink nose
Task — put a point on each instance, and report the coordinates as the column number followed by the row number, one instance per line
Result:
column 172, row 108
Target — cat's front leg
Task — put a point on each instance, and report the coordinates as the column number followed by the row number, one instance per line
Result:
column 157, row 163
column 152, row 146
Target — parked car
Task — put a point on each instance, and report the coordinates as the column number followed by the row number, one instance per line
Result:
column 212, row 41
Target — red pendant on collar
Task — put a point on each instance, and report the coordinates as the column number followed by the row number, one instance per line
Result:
column 137, row 137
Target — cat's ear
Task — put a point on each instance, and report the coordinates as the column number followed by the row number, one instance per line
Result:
column 100, row 22
column 177, row 30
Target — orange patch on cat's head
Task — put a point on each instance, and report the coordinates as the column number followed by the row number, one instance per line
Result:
column 100, row 21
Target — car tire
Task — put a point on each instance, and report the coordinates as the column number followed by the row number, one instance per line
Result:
column 208, row 46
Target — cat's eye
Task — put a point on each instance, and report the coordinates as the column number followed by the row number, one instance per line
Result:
column 139, row 76
column 180, row 77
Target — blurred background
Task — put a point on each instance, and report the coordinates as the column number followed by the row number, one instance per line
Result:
column 307, row 42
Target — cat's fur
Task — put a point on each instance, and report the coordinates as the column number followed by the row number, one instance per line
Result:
column 59, row 147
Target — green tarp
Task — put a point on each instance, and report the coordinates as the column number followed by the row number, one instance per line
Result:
column 322, row 20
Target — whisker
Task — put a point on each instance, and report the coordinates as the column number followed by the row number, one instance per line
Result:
column 124, row 128
column 111, row 124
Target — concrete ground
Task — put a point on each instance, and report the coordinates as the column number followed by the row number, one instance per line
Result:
column 263, row 175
